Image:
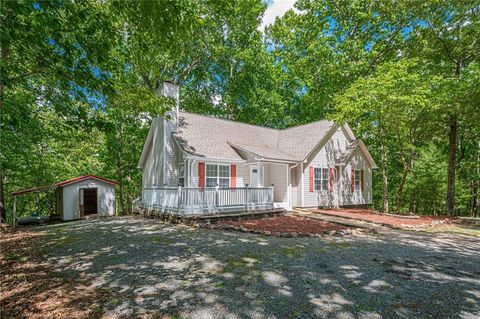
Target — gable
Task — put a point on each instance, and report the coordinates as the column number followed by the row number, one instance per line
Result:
column 330, row 147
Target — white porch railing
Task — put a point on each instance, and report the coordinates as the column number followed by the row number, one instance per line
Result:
column 214, row 200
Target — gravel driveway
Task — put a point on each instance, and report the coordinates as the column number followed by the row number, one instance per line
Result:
column 169, row 269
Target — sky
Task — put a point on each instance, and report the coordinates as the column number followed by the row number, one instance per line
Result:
column 277, row 8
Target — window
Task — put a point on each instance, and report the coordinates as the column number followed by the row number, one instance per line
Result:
column 321, row 176
column 358, row 180
column 181, row 174
column 218, row 175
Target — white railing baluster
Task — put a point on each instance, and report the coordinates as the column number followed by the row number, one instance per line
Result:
column 195, row 200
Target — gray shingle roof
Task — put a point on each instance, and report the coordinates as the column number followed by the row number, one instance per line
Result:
column 210, row 137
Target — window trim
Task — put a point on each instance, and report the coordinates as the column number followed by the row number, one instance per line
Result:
column 218, row 177
column 318, row 183
column 359, row 181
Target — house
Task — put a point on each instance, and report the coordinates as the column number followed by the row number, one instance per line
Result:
column 320, row 164
column 78, row 197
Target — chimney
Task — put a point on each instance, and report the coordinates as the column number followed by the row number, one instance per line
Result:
column 170, row 90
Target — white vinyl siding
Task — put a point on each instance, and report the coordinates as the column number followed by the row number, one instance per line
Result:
column 171, row 151
column 358, row 197
column 324, row 158
column 152, row 173
column 243, row 174
column 276, row 174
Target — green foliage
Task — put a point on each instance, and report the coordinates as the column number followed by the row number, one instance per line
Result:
column 78, row 81
column 427, row 188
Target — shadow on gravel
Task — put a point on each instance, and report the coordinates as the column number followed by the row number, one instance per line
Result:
column 140, row 267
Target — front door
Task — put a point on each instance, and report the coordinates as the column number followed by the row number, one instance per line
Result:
column 255, row 176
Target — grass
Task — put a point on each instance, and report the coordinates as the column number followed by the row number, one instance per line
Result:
column 291, row 251
column 15, row 256
column 116, row 302
column 67, row 241
column 456, row 229
column 220, row 285
column 233, row 264
column 162, row 240
column 339, row 244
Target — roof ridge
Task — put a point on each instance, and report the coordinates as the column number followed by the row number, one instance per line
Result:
column 232, row 121
column 260, row 126
column 296, row 126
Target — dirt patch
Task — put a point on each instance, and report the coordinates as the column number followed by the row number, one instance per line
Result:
column 31, row 287
column 395, row 221
column 285, row 225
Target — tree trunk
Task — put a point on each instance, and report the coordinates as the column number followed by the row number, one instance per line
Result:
column 3, row 209
column 451, row 166
column 400, row 188
column 384, row 177
column 474, row 199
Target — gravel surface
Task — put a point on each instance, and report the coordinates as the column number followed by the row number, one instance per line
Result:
column 157, row 268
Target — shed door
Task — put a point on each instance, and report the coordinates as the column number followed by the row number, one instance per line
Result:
column 88, row 201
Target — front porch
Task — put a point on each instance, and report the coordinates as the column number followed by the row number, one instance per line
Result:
column 203, row 177
column 189, row 201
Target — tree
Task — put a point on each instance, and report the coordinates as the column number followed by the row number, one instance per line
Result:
column 50, row 56
column 393, row 104
column 450, row 40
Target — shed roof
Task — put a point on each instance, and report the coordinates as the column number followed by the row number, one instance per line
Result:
column 63, row 183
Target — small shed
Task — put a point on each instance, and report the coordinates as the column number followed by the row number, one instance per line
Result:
column 81, row 196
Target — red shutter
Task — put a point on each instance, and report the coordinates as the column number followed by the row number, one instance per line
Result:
column 361, row 179
column 233, row 176
column 201, row 174
column 353, row 180
column 310, row 178
column 332, row 176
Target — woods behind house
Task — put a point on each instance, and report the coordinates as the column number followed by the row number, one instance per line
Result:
column 78, row 83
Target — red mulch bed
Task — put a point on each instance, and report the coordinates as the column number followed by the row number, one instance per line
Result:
column 366, row 215
column 286, row 224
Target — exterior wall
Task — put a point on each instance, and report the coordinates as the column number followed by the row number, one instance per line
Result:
column 243, row 173
column 105, row 200
column 276, row 174
column 152, row 174
column 295, row 185
column 341, row 194
column 358, row 161
column 163, row 157
column 171, row 158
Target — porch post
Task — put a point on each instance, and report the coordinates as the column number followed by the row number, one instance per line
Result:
column 216, row 198
column 179, row 204
column 246, row 197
